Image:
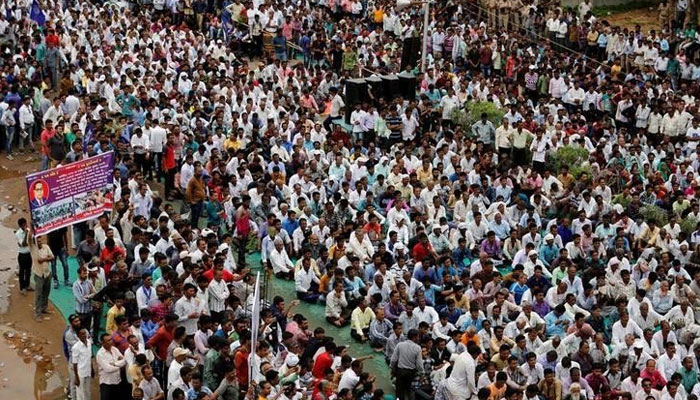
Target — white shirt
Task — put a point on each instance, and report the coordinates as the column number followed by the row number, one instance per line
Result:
column 183, row 308
column 303, row 279
column 143, row 142
column 218, row 293
column 348, row 380
column 668, row 366
column 81, row 355
column 336, row 104
column 280, row 261
column 428, row 314
column 109, row 364
column 462, row 382
column 158, row 139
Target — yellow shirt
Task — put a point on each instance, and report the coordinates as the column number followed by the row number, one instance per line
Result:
column 361, row 320
column 378, row 16
column 112, row 314
column 424, row 175
column 615, row 70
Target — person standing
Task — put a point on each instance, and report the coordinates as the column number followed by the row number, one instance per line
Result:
column 170, row 167
column 58, row 242
column 70, row 338
column 195, row 195
column 81, row 357
column 42, row 277
column 83, row 290
column 24, row 256
column 406, row 362
column 109, row 364
column 218, row 294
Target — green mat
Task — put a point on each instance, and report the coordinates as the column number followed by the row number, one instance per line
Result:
column 62, row 298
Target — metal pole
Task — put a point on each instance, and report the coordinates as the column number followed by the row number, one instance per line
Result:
column 426, row 22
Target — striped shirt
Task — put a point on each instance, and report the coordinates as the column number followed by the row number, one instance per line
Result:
column 82, row 289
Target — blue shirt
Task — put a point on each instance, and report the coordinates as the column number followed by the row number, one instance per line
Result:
column 566, row 234
column 548, row 253
column 553, row 328
column 290, row 226
column 148, row 329
column 501, row 230
column 458, row 256
column 419, row 274
column 518, row 291
column 476, row 323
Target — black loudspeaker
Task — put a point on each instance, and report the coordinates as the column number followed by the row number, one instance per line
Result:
column 391, row 86
column 376, row 87
column 409, row 53
column 407, row 84
column 355, row 92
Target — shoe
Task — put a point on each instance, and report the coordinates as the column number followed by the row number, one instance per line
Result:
column 30, row 289
column 55, row 284
column 66, row 283
column 9, row 157
column 23, row 292
column 46, row 312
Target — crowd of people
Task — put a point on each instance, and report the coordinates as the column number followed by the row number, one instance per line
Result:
column 464, row 249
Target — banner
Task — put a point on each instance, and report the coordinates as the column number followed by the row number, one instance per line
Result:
column 71, row 193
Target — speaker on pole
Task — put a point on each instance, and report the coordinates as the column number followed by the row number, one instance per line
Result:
column 376, row 87
column 407, row 84
column 355, row 93
column 391, row 86
column 409, row 53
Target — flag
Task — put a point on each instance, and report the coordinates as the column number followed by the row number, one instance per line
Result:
column 37, row 14
column 254, row 327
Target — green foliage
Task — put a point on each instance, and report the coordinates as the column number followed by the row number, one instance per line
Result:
column 603, row 11
column 688, row 225
column 574, row 157
column 580, row 169
column 472, row 113
column 654, row 214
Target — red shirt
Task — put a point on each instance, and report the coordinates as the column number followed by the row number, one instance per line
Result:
column 160, row 342
column 107, row 257
column 227, row 276
column 240, row 361
column 52, row 40
column 420, row 251
column 657, row 380
column 45, row 136
column 169, row 158
column 120, row 341
column 323, row 361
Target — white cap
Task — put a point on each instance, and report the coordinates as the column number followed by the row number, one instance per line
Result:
column 206, row 232
column 180, row 352
column 532, row 253
column 185, row 254
column 548, row 237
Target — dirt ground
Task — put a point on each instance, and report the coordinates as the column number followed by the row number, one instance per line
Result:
column 647, row 18
column 32, row 364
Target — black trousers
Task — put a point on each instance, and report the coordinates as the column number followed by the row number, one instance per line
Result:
column 25, row 269
column 170, row 181
column 141, row 163
column 109, row 392
column 404, row 379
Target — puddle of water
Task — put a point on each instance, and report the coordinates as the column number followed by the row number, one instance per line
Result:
column 25, row 365
column 8, row 278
